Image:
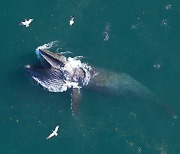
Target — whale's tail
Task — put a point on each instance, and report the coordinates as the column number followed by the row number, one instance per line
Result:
column 169, row 109
column 121, row 84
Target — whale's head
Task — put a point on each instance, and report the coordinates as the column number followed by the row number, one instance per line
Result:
column 57, row 73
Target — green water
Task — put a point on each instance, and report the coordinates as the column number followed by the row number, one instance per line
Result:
column 141, row 34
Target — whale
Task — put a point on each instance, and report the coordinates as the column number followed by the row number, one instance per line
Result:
column 57, row 72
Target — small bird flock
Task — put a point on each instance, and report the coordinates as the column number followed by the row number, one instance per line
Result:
column 71, row 22
column 27, row 22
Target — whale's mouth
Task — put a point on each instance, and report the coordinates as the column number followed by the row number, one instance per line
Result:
column 56, row 73
column 47, row 59
column 47, row 72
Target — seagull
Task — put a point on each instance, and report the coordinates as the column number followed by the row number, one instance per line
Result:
column 71, row 22
column 26, row 22
column 54, row 132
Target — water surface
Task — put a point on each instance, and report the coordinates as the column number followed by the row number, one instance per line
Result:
column 143, row 41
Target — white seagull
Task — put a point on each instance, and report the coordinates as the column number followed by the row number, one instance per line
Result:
column 54, row 132
column 71, row 22
column 26, row 22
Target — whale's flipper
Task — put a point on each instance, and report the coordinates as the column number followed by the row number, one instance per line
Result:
column 75, row 101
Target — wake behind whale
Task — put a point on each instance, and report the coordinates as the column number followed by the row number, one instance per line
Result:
column 59, row 73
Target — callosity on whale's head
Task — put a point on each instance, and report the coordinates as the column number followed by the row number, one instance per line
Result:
column 57, row 73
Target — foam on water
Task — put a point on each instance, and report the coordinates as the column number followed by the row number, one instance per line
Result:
column 48, row 45
column 106, row 32
column 70, row 66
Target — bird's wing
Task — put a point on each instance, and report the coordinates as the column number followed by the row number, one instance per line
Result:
column 56, row 129
column 23, row 22
column 20, row 23
column 30, row 20
column 51, row 135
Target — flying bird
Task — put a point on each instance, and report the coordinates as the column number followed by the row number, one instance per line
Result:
column 26, row 23
column 71, row 22
column 54, row 132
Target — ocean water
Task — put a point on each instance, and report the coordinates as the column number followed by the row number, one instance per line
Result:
column 140, row 38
